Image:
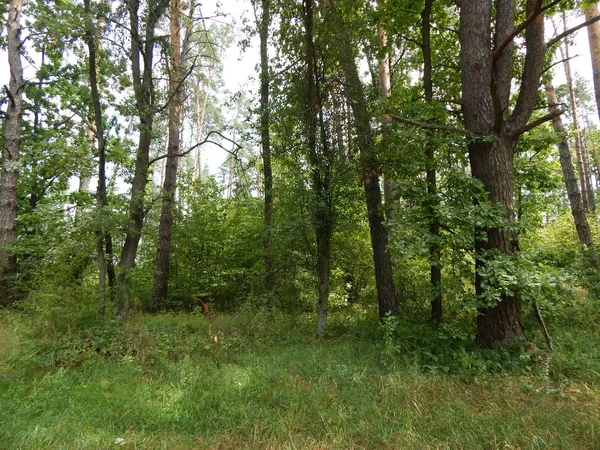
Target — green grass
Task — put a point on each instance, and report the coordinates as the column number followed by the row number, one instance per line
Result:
column 165, row 382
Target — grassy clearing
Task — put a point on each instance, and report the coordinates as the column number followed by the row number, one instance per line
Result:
column 255, row 381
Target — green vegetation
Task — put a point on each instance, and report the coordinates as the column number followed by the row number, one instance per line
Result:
column 180, row 381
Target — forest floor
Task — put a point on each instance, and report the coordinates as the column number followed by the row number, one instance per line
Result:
column 256, row 380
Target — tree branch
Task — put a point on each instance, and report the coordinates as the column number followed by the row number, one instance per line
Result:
column 206, row 140
column 539, row 121
column 566, row 33
column 428, row 126
column 498, row 50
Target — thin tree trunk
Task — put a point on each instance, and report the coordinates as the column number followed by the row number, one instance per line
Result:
column 165, row 227
column 385, row 90
column 320, row 171
column 587, row 191
column 144, row 89
column 384, row 278
column 594, row 41
column 265, row 142
column 11, row 153
column 577, row 210
column 432, row 199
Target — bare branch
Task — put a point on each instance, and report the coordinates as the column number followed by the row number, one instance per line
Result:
column 538, row 122
column 498, row 50
column 566, row 33
column 206, row 140
column 428, row 126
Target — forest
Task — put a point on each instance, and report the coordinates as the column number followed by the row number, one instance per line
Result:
column 385, row 236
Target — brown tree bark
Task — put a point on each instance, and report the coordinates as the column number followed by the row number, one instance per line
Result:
column 165, row 227
column 486, row 81
column 11, row 153
column 384, row 278
column 577, row 209
column 435, row 271
column 144, row 96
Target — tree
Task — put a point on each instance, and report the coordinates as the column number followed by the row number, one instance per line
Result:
column 142, row 50
column 11, row 152
column 575, row 201
column 487, row 52
column 370, row 172
column 265, row 143
column 163, row 251
column 591, row 11
column 320, row 157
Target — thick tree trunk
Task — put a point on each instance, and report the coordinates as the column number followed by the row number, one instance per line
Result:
column 577, row 210
column 431, row 179
column 486, row 75
column 11, row 153
column 265, row 142
column 165, row 227
column 384, row 278
column 492, row 164
column 144, row 96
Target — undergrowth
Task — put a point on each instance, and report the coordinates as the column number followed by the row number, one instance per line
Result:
column 258, row 379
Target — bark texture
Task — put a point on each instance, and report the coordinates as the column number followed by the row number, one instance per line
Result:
column 11, row 153
column 165, row 226
column 486, row 81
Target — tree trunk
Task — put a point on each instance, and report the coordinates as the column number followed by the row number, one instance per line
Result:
column 144, row 96
column 594, row 39
column 432, row 199
column 486, row 76
column 385, row 90
column 103, row 237
column 384, row 278
column 320, row 171
column 587, row 191
column 577, row 210
column 265, row 142
column 165, row 227
column 11, row 153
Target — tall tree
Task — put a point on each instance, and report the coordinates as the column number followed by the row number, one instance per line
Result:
column 142, row 65
column 165, row 227
column 104, row 246
column 591, row 11
column 265, row 143
column 320, row 155
column 587, row 192
column 487, row 54
column 575, row 201
column 371, row 169
column 435, row 270
column 11, row 151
